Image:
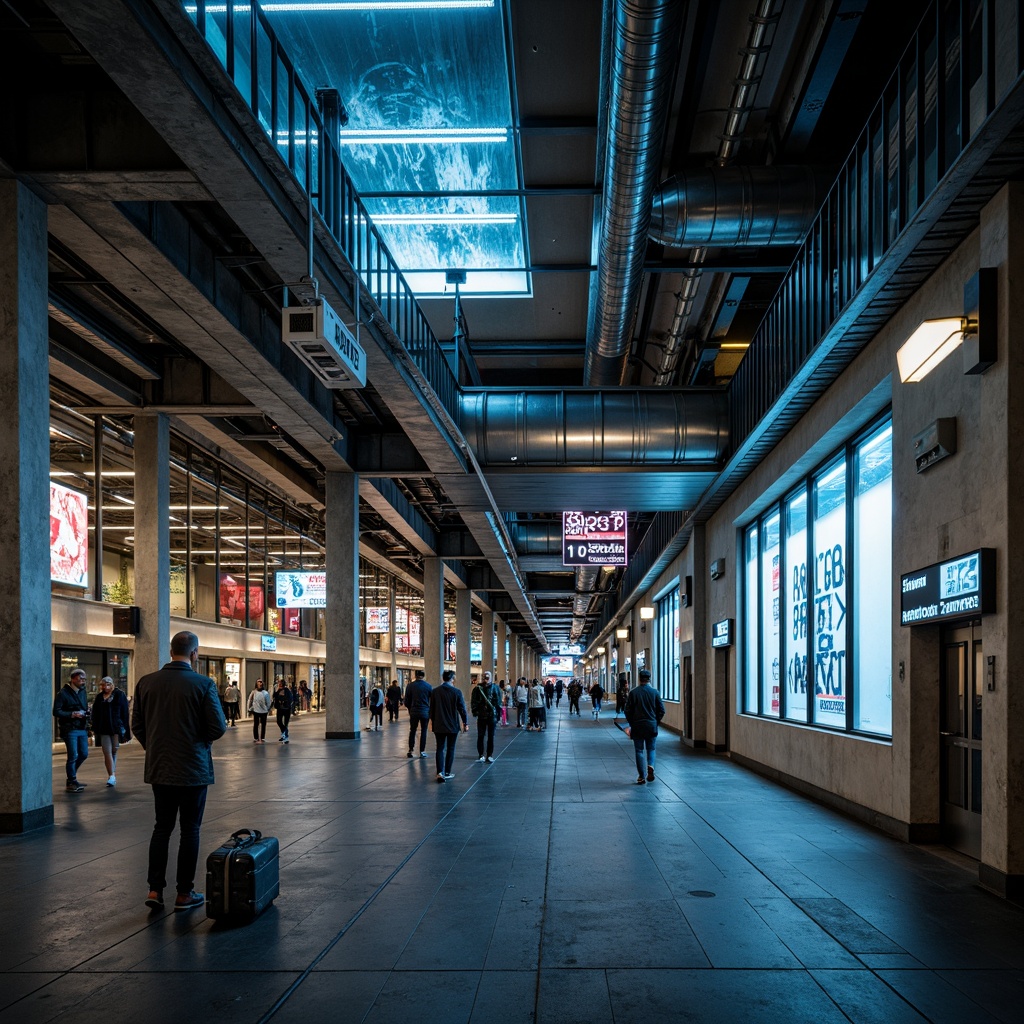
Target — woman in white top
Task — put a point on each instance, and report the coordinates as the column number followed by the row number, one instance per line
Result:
column 259, row 705
column 536, row 701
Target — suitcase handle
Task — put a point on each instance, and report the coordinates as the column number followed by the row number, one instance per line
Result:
column 246, row 837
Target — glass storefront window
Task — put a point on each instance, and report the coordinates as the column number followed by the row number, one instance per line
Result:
column 830, row 600
column 751, row 646
column 666, row 645
column 872, row 617
column 770, row 583
column 828, row 596
column 796, row 607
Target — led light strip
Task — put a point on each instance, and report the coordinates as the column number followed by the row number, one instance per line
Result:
column 445, row 218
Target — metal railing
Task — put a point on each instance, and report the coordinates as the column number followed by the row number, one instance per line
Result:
column 963, row 59
column 241, row 38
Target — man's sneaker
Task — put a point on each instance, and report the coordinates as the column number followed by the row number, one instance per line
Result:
column 286, row 739
column 74, row 787
column 440, row 777
column 490, row 760
column 650, row 774
column 641, row 781
column 281, row 739
column 155, row 899
column 449, row 775
column 423, row 753
column 409, row 754
column 188, row 900
column 481, row 758
column 112, row 781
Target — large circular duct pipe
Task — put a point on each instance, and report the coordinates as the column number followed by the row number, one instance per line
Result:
column 735, row 206
column 629, row 427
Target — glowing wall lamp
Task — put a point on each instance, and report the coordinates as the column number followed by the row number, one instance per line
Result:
column 934, row 340
column 622, row 633
column 646, row 614
column 600, row 650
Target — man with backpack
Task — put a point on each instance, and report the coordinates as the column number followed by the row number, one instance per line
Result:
column 484, row 704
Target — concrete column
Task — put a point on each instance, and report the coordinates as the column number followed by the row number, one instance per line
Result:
column 501, row 665
column 153, row 541
column 995, row 404
column 513, row 659
column 463, row 637
column 433, row 617
column 712, row 703
column 487, row 658
column 26, row 793
column 392, row 617
column 342, row 622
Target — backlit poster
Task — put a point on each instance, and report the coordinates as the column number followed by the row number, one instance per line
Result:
column 378, row 620
column 69, row 536
column 232, row 600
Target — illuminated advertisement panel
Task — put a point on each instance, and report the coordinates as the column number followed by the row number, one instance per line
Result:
column 300, row 589
column 69, row 536
column 960, row 587
column 593, row 538
column 378, row 620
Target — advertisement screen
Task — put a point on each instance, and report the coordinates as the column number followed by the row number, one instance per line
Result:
column 378, row 620
column 232, row 599
column 557, row 666
column 594, row 538
column 69, row 536
column 300, row 589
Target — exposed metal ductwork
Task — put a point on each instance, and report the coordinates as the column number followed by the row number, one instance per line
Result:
column 628, row 427
column 735, row 207
column 644, row 56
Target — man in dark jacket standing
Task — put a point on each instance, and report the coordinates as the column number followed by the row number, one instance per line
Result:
column 484, row 703
column 71, row 710
column 446, row 708
column 644, row 710
column 176, row 717
column 417, row 703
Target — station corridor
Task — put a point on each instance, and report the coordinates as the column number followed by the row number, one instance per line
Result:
column 717, row 896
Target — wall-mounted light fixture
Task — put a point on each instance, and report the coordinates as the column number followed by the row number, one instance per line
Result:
column 622, row 633
column 600, row 650
column 934, row 340
column 646, row 612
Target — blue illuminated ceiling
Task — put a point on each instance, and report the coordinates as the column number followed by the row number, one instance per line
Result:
column 427, row 88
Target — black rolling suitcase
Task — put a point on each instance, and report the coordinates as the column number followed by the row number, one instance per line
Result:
column 242, row 877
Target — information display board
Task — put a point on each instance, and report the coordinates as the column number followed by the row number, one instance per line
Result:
column 300, row 589
column 378, row 620
column 958, row 588
column 594, row 538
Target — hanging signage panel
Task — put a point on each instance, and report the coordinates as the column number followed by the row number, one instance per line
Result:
column 593, row 538
column 958, row 588
column 378, row 620
column 721, row 633
column 69, row 536
column 300, row 589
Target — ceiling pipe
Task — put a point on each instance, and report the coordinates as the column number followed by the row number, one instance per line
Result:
column 582, row 427
column 765, row 17
column 645, row 53
column 735, row 207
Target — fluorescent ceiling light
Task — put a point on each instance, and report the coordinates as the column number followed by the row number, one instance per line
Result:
column 927, row 347
column 423, row 136
column 445, row 218
column 332, row 6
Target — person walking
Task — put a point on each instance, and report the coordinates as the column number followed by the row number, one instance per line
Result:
column 393, row 699
column 575, row 692
column 522, row 697
column 232, row 696
column 284, row 702
column 596, row 696
column 621, row 692
column 559, row 686
column 549, row 693
column 485, row 703
column 505, row 691
column 71, row 709
column 644, row 710
column 417, row 703
column 110, row 724
column 176, row 718
column 375, row 702
column 447, row 707
column 536, row 705
column 259, row 705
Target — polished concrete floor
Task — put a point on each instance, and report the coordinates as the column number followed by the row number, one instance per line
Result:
column 546, row 887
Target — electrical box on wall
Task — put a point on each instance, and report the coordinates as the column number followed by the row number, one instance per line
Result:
column 934, row 443
column 687, row 591
column 127, row 621
column 717, row 568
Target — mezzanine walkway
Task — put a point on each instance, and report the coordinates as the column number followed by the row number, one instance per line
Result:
column 546, row 887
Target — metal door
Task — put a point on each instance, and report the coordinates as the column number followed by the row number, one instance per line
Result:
column 960, row 736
